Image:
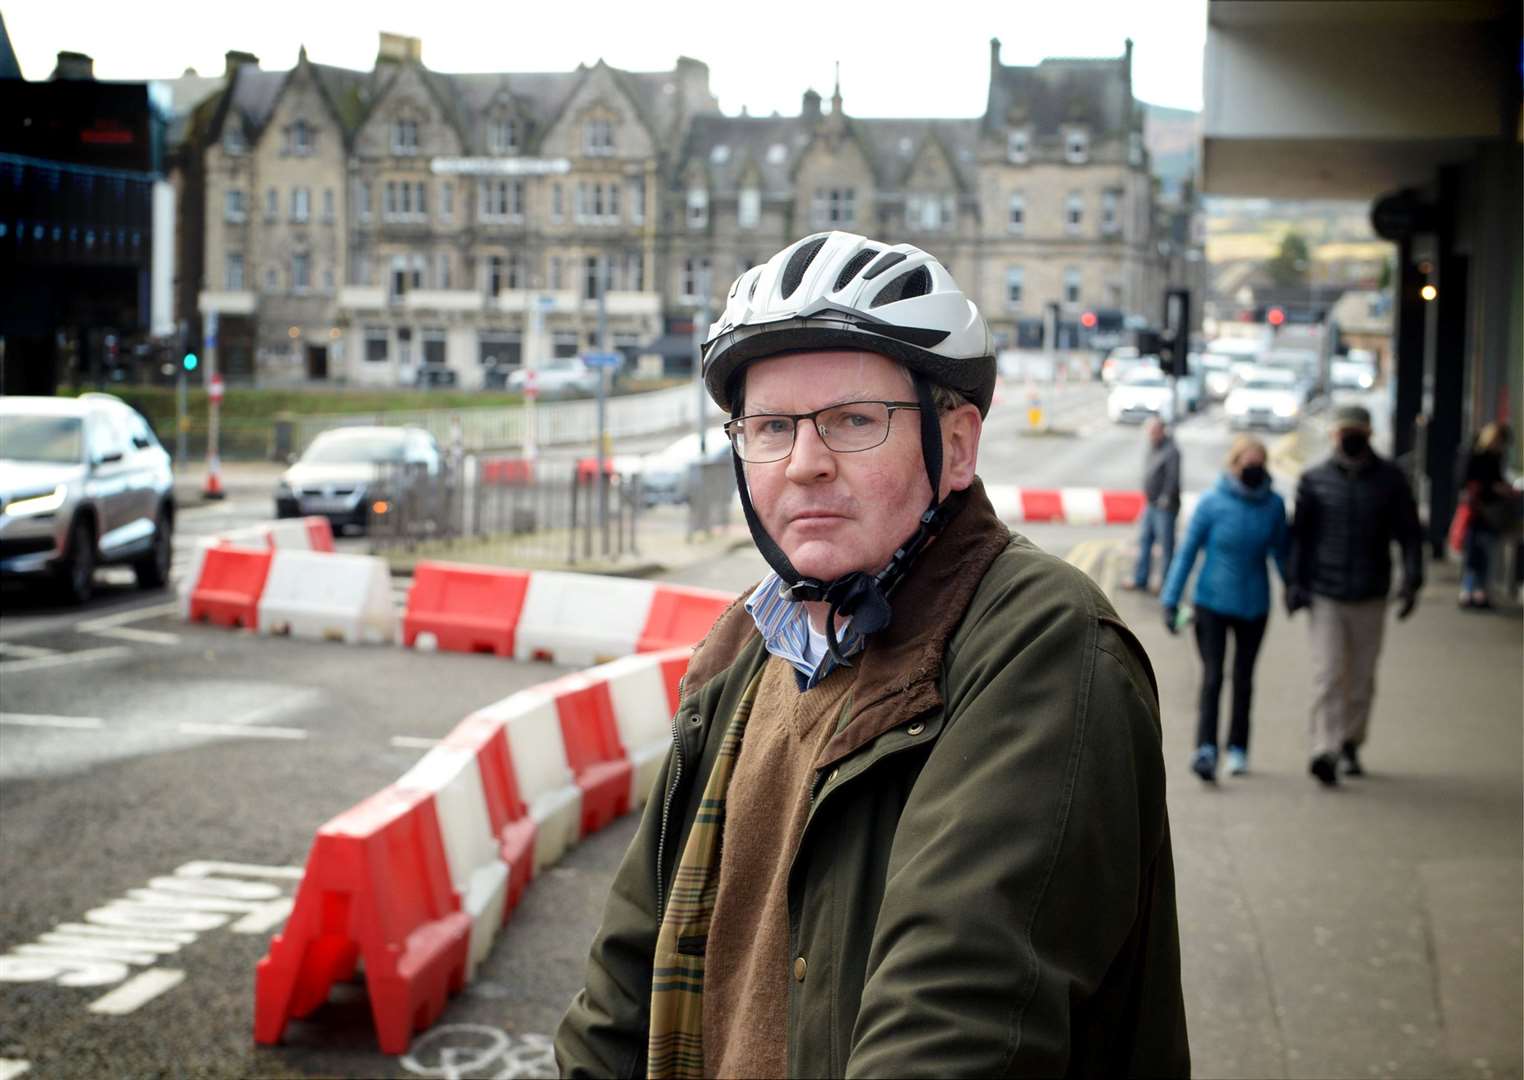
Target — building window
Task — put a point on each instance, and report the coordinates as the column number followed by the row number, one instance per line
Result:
column 835, row 206
column 362, row 199
column 233, row 141
column 497, row 274
column 1074, row 213
column 272, row 204
column 301, row 205
column 592, row 267
column 1114, row 294
column 444, row 270
column 232, row 274
column 503, row 200
column 637, row 200
column 1072, row 285
column 518, row 277
column 563, row 343
column 720, row 154
column 1135, row 148
column 272, row 279
column 1017, row 147
column 598, row 138
column 503, row 136
column 555, row 273
column 232, row 206
column 634, row 272
column 557, row 204
column 405, row 137
column 446, row 200
column 299, row 138
column 1016, row 220
column 1110, row 218
column 1015, row 278
column 695, row 282
column 749, row 208
column 328, row 204
column 433, row 345
column 301, row 272
column 497, row 348
column 1076, row 147
column 927, row 212
column 777, row 154
column 376, row 351
column 698, row 207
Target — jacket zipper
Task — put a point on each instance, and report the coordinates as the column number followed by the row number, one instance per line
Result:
column 666, row 806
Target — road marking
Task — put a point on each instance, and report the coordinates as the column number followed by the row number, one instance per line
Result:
column 192, row 728
column 25, row 652
column 10, row 1068
column 146, row 637
column 137, row 991
column 30, row 720
column 84, row 656
column 122, row 618
column 413, row 742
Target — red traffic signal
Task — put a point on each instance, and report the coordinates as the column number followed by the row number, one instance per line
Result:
column 1088, row 320
column 1275, row 316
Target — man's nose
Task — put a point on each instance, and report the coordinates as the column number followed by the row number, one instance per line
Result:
column 811, row 460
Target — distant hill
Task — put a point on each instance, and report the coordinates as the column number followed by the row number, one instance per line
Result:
column 1173, row 138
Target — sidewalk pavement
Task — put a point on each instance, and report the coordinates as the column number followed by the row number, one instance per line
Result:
column 239, row 479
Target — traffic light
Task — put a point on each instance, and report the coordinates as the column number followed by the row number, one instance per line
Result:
column 1275, row 316
column 1175, row 339
column 190, row 361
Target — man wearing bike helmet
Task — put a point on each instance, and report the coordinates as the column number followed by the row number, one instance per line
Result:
column 913, row 820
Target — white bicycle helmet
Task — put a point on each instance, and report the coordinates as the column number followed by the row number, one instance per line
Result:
column 839, row 290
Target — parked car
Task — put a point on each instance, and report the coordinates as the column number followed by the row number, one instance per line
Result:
column 1141, row 393
column 1352, row 372
column 83, row 483
column 1266, row 397
column 664, row 473
column 347, row 474
column 565, row 375
column 1216, row 374
column 1120, row 360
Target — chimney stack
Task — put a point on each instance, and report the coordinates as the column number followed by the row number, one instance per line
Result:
column 399, row 48
column 994, row 54
column 810, row 107
column 234, row 59
column 74, row 66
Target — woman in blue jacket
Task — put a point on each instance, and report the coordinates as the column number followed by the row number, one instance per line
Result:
column 1240, row 524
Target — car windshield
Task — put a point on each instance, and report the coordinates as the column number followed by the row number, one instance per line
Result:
column 1145, row 377
column 354, row 446
column 1267, row 384
column 51, row 439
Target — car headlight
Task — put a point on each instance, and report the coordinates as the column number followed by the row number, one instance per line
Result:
column 1366, row 382
column 38, row 504
column 1285, row 408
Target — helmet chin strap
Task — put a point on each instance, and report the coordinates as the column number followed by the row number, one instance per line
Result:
column 859, row 595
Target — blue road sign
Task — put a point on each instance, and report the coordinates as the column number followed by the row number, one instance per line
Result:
column 602, row 359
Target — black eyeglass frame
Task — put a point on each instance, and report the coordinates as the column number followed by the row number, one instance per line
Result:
column 813, row 417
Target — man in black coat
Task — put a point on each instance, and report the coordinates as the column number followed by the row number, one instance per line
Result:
column 1349, row 512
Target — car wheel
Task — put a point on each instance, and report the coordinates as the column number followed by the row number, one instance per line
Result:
column 153, row 569
column 76, row 573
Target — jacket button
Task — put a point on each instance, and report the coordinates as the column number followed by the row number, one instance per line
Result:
column 915, row 728
column 799, row 968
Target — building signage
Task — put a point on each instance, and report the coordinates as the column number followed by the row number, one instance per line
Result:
column 499, row 166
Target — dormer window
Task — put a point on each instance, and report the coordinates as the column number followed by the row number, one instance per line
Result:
column 299, row 138
column 749, row 207
column 1135, row 148
column 503, row 136
column 719, row 155
column 1076, row 147
column 233, row 141
column 405, row 137
column 1018, row 145
column 698, row 207
column 598, row 138
column 777, row 154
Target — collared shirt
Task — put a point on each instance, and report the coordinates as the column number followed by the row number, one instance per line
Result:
column 786, row 631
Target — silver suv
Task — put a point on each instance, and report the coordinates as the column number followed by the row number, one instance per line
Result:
column 83, row 483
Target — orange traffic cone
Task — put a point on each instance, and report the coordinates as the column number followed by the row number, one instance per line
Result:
column 213, row 489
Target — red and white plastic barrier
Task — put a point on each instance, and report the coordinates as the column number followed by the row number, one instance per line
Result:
column 328, row 597
column 418, row 879
column 1070, row 506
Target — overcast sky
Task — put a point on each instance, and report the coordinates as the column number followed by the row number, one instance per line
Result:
column 934, row 62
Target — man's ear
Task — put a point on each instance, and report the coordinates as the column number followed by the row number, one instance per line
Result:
column 960, row 448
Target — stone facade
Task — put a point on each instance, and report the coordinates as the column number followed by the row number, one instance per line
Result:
column 466, row 222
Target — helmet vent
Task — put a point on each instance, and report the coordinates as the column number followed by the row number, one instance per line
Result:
column 751, row 293
column 889, row 259
column 848, row 272
column 915, row 282
column 798, row 263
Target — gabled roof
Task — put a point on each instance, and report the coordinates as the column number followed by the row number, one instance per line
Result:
column 1055, row 92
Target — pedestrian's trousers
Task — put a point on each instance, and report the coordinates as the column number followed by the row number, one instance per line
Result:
column 1158, row 525
column 1346, row 641
column 1212, row 642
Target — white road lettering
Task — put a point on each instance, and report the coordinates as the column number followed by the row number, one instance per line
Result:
column 137, row 991
column 202, row 868
column 90, row 951
column 267, row 918
column 33, row 720
column 26, row 969
column 191, row 902
column 92, row 941
column 168, row 937
column 139, row 915
column 210, row 886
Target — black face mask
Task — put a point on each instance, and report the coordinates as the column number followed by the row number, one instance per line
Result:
column 1254, row 476
column 1354, row 443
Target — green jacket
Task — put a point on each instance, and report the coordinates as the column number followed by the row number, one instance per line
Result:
column 984, row 885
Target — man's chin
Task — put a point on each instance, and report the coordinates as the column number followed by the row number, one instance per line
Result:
column 823, row 562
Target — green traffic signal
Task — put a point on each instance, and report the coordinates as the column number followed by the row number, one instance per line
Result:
column 191, row 361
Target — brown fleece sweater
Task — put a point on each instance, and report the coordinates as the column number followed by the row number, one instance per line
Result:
column 747, row 965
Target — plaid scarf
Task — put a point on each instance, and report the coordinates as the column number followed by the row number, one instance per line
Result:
column 676, row 1046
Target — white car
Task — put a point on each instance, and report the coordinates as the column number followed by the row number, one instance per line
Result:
column 1271, row 398
column 664, row 473
column 1216, row 375
column 561, row 376
column 1121, row 360
column 1141, row 393
column 1350, row 373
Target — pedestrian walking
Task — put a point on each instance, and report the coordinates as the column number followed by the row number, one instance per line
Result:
column 1490, row 504
column 1161, row 504
column 913, row 820
column 1238, row 526
column 1350, row 510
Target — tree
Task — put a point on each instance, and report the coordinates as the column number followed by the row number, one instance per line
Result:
column 1290, row 266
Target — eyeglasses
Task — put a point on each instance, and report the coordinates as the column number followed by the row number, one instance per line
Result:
column 848, row 428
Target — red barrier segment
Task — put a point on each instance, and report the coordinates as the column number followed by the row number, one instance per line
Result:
column 231, row 582
column 376, row 887
column 593, row 751
column 508, row 471
column 319, row 533
column 1042, row 505
column 1122, row 507
column 673, row 668
column 680, row 616
column 466, row 608
column 509, row 817
column 587, row 469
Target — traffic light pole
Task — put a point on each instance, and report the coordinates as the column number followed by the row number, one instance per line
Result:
column 213, row 487
column 182, row 416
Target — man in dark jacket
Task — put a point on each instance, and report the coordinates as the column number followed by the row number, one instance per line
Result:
column 1349, row 512
column 913, row 820
column 1161, row 504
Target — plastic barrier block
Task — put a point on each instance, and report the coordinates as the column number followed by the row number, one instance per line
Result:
column 1042, row 506
column 508, row 471
column 229, row 586
column 465, row 608
column 680, row 616
column 376, row 887
column 324, row 596
column 587, row 469
column 674, row 665
column 1006, row 500
column 319, row 533
column 290, row 533
column 487, row 738
column 1083, row 506
column 581, row 619
column 544, row 778
column 593, row 750
column 637, row 687
column 477, row 869
column 1122, row 507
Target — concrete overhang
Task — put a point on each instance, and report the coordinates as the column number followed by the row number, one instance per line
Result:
column 1348, row 100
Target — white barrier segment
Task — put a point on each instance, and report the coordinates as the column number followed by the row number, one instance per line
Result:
column 581, row 619
column 1006, row 499
column 1082, row 506
column 544, row 776
column 639, row 696
column 289, row 533
column 327, row 596
column 477, row 868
